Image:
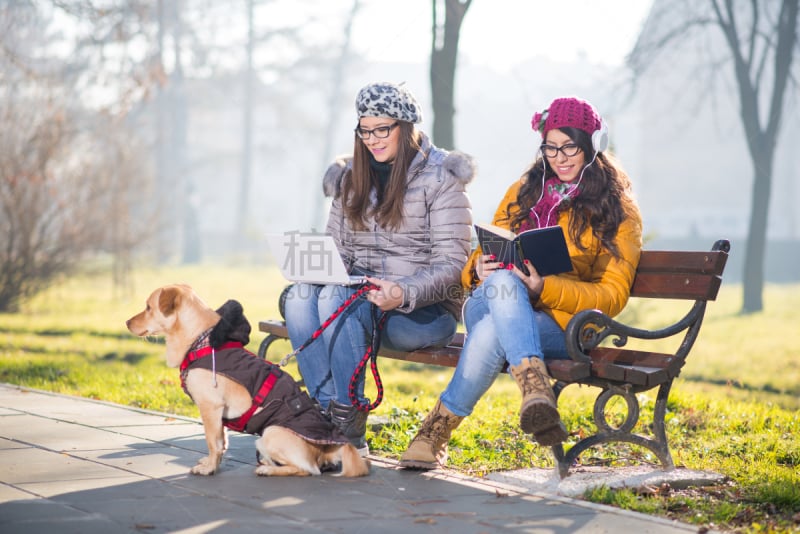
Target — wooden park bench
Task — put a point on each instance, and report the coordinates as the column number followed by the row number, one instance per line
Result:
column 617, row 371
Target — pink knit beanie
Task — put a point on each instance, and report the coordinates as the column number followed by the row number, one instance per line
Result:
column 568, row 111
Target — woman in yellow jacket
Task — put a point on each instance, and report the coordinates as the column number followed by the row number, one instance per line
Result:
column 518, row 318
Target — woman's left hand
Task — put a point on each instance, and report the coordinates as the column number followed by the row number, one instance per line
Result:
column 388, row 296
column 533, row 281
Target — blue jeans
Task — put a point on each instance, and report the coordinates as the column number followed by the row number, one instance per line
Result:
column 502, row 327
column 327, row 364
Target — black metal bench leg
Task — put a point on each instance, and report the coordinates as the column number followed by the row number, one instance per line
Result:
column 264, row 346
column 659, row 431
column 562, row 465
column 624, row 433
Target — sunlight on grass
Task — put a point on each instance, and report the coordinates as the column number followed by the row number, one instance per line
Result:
column 734, row 409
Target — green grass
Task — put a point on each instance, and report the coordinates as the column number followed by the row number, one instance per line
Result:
column 733, row 410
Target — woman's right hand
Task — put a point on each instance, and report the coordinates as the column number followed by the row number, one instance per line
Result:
column 486, row 264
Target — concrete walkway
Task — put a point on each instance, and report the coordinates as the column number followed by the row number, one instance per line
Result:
column 73, row 465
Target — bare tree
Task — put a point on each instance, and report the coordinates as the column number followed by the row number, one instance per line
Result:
column 175, row 177
column 113, row 57
column 444, row 53
column 261, row 60
column 65, row 181
column 247, row 130
column 338, row 75
column 69, row 175
column 761, row 39
column 99, row 45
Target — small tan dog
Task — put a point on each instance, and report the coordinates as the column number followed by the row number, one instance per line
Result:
column 234, row 388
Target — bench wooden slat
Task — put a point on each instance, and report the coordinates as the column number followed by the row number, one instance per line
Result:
column 569, row 370
column 676, row 286
column 635, row 357
column 638, row 375
column 679, row 275
column 444, row 356
column 631, row 374
column 661, row 261
column 276, row 328
column 646, row 376
column 458, row 340
column 641, row 368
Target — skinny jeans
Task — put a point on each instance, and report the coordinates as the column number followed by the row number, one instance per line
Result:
column 502, row 327
column 327, row 364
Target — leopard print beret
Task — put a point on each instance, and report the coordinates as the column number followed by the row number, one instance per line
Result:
column 388, row 100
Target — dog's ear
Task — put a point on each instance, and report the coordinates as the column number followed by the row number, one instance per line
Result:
column 168, row 300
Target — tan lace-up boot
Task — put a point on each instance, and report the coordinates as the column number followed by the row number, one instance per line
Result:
column 428, row 449
column 539, row 413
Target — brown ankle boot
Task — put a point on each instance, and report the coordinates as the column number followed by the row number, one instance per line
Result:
column 428, row 449
column 538, row 414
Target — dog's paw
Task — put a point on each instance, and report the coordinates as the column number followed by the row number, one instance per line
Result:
column 265, row 470
column 204, row 467
column 202, row 470
column 283, row 471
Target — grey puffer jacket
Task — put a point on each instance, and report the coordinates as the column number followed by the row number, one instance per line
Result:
column 426, row 254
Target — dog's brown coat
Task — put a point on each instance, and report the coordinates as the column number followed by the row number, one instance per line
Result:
column 177, row 313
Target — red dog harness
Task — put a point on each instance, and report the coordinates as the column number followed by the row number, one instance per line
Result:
column 277, row 399
column 239, row 423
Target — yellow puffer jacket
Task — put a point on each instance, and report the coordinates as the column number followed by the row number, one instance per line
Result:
column 598, row 280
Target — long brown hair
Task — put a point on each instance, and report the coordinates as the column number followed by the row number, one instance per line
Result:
column 361, row 179
column 605, row 198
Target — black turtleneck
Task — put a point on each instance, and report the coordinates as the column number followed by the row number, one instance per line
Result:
column 381, row 171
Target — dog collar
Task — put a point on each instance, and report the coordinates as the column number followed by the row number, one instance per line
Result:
column 201, row 341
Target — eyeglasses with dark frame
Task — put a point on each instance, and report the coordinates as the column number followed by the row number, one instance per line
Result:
column 381, row 132
column 569, row 150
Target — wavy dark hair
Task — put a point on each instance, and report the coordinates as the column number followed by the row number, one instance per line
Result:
column 605, row 198
column 362, row 178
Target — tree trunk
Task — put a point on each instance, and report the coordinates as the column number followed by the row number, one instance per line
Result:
column 242, row 206
column 755, row 249
column 319, row 214
column 760, row 141
column 182, row 177
column 163, row 183
column 444, row 52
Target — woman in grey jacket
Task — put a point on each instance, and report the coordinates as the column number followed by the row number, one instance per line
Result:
column 400, row 215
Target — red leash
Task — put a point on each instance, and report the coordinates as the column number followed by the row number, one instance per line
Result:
column 371, row 354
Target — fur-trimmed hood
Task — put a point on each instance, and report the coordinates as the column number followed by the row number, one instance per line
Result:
column 459, row 165
column 332, row 180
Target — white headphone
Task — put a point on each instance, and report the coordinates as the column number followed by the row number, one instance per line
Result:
column 600, row 137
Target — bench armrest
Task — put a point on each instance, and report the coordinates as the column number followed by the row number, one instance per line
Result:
column 588, row 328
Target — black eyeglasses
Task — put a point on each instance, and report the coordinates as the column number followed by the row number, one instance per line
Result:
column 569, row 150
column 381, row 132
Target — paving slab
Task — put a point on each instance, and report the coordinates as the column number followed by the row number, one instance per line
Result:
column 69, row 464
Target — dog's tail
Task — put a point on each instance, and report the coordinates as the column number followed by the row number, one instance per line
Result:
column 353, row 465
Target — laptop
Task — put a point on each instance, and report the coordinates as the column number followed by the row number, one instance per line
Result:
column 312, row 258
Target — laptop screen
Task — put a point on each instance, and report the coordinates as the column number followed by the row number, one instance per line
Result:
column 310, row 257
